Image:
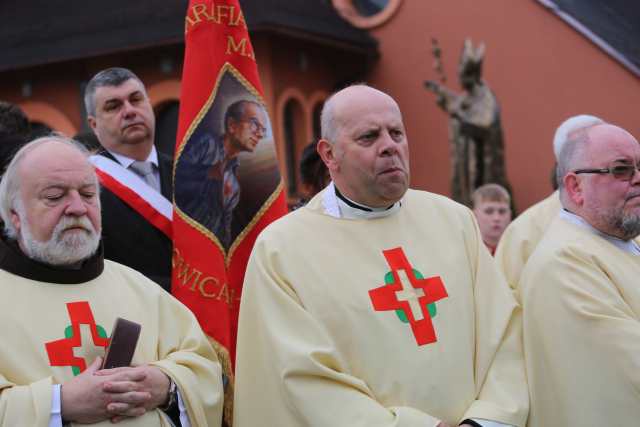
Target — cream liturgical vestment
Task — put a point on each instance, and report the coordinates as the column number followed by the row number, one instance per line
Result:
column 581, row 303
column 401, row 320
column 55, row 322
column 521, row 237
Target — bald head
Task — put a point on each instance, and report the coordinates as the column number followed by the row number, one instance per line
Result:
column 44, row 149
column 569, row 127
column 330, row 118
column 601, row 146
column 601, row 183
column 364, row 146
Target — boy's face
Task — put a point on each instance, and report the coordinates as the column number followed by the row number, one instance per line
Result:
column 493, row 218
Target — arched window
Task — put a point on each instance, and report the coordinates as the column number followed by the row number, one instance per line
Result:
column 44, row 117
column 167, row 127
column 366, row 13
column 370, row 7
column 294, row 139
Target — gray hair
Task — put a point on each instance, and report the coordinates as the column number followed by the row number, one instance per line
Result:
column 10, row 183
column 110, row 77
column 569, row 126
column 570, row 153
column 327, row 121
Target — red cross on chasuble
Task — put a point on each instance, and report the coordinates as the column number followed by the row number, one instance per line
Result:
column 410, row 295
column 62, row 352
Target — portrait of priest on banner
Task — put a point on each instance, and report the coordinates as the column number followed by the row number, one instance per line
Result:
column 227, row 169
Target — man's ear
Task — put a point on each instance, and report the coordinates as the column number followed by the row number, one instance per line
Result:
column 231, row 125
column 15, row 220
column 327, row 152
column 574, row 188
column 92, row 122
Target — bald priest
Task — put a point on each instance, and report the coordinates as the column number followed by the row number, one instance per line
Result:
column 391, row 313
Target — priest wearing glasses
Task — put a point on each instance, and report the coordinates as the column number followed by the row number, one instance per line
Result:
column 581, row 299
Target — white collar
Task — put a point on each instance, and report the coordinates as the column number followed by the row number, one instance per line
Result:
column 629, row 246
column 126, row 161
column 337, row 208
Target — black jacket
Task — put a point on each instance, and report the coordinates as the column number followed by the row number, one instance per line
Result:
column 129, row 239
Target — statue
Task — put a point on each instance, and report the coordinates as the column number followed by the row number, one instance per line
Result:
column 474, row 127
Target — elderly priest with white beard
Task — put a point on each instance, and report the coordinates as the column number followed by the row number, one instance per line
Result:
column 60, row 299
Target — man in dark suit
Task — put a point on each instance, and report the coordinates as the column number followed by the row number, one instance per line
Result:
column 120, row 114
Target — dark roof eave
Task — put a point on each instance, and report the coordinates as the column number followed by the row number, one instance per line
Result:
column 30, row 62
column 367, row 50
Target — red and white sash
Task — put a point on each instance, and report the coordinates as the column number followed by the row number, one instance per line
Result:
column 136, row 193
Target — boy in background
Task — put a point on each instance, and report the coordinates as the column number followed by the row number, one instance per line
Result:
column 491, row 206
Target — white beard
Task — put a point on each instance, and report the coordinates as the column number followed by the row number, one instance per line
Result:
column 63, row 248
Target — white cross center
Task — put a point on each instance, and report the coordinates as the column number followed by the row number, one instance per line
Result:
column 410, row 294
column 87, row 350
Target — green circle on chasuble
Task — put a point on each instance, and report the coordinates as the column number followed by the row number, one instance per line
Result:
column 431, row 307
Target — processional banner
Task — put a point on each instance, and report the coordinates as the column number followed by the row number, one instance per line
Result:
column 226, row 177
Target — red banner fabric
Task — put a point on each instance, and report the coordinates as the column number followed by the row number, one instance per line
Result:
column 226, row 179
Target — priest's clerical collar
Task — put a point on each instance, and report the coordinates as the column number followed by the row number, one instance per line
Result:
column 13, row 260
column 339, row 206
column 626, row 245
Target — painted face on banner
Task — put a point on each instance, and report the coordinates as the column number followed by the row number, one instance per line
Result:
column 227, row 169
column 250, row 129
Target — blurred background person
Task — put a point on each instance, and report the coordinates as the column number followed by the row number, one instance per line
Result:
column 491, row 206
column 89, row 140
column 314, row 174
column 14, row 132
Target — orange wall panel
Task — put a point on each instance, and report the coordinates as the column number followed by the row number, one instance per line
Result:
column 541, row 70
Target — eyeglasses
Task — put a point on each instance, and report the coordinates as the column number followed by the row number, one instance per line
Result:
column 621, row 172
column 256, row 126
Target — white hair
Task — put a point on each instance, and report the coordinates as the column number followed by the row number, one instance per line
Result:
column 328, row 127
column 10, row 184
column 569, row 126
